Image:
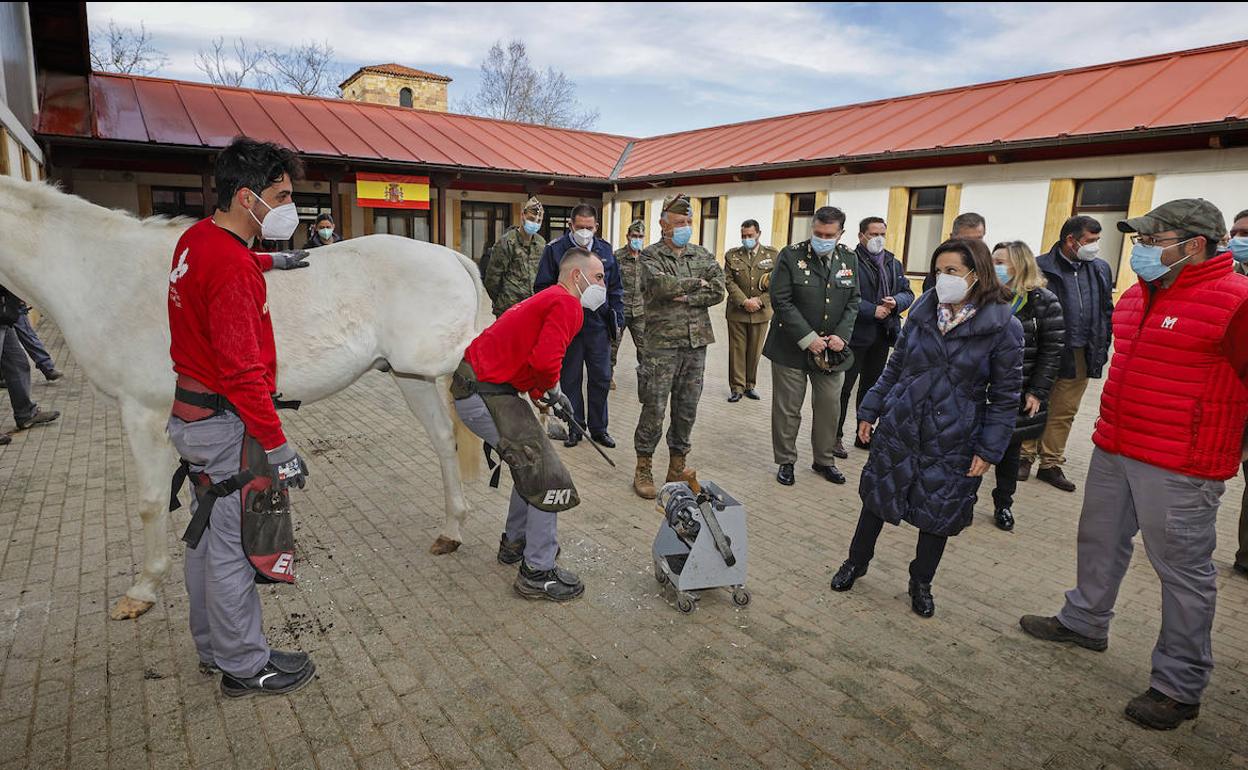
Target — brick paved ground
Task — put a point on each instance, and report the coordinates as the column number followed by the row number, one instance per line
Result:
column 431, row 661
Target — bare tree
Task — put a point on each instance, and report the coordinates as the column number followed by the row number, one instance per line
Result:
column 513, row 89
column 239, row 65
column 125, row 50
column 305, row 69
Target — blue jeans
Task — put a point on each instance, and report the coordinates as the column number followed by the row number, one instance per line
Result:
column 16, row 371
column 33, row 345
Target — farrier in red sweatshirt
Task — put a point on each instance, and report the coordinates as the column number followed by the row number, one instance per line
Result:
column 524, row 348
column 220, row 325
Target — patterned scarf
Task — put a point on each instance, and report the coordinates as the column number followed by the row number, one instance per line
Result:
column 946, row 320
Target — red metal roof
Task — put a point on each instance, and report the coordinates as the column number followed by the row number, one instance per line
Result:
column 1200, row 89
column 129, row 108
column 1197, row 87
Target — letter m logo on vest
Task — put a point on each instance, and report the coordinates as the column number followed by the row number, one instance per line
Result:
column 557, row 497
column 1169, row 322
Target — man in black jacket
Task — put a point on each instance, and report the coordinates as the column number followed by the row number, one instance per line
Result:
column 1084, row 285
column 884, row 296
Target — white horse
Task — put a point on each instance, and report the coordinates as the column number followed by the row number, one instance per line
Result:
column 379, row 302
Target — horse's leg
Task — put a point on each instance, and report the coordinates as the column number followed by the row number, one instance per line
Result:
column 153, row 459
column 428, row 403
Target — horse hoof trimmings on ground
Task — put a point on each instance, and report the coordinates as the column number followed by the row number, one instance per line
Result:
column 378, row 302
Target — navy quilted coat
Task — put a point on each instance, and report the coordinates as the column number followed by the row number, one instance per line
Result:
column 941, row 400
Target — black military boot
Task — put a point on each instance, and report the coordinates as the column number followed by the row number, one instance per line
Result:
column 270, row 680
column 556, row 585
column 510, row 551
column 1159, row 711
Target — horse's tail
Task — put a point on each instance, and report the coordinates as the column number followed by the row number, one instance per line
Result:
column 467, row 445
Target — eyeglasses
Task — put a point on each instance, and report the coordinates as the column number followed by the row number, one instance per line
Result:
column 1148, row 240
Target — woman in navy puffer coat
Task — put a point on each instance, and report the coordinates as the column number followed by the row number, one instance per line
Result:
column 945, row 407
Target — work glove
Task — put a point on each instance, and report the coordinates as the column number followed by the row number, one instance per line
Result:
column 557, row 400
column 287, row 468
column 289, row 260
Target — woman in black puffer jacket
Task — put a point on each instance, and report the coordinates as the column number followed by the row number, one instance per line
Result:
column 1043, row 332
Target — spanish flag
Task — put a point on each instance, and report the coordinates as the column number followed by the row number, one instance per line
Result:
column 391, row 191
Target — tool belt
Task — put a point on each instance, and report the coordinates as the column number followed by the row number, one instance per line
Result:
column 266, row 529
column 538, row 474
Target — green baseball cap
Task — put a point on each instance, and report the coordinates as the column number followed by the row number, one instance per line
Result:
column 1193, row 215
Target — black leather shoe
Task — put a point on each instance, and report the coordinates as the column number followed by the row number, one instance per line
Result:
column 603, row 439
column 734, row 398
column 509, row 551
column 556, row 585
column 1050, row 629
column 785, row 475
column 1159, row 711
column 1024, row 470
column 270, row 680
column 829, row 472
column 839, row 450
column 921, row 599
column 844, row 578
column 574, row 438
column 1055, row 477
column 751, row 394
column 5, row 439
column 1004, row 519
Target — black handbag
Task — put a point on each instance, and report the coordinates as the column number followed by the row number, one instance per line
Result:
column 10, row 307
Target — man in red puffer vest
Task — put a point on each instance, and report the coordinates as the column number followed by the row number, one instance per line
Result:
column 1170, row 433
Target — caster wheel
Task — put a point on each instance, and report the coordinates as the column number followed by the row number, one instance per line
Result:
column 741, row 597
column 684, row 603
column 660, row 576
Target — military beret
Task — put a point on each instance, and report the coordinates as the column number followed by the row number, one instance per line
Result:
column 637, row 226
column 678, row 203
column 534, row 206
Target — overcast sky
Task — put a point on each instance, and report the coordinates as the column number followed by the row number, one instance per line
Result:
column 654, row 68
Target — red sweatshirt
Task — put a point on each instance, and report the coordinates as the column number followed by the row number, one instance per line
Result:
column 524, row 348
column 220, row 325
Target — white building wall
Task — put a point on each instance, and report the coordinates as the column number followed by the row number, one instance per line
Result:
column 1014, row 211
column 1228, row 190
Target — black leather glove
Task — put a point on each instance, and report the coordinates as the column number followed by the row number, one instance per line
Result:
column 289, row 260
column 287, row 468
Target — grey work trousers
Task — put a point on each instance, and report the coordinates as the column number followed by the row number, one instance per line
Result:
column 16, row 371
column 788, row 394
column 1176, row 515
column 220, row 581
column 537, row 528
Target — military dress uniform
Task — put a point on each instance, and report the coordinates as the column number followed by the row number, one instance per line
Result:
column 811, row 296
column 512, row 268
column 677, row 333
column 745, row 273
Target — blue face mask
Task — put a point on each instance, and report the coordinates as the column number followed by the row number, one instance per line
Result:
column 681, row 235
column 531, row 228
column 749, row 243
column 636, row 244
column 1239, row 248
column 822, row 246
column 1003, row 274
column 1147, row 264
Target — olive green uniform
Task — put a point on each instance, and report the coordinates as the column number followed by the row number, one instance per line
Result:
column 512, row 268
column 676, row 335
column 634, row 302
column 812, row 297
column 744, row 273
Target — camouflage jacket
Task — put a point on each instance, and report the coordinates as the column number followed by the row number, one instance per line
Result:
column 630, row 276
column 745, row 274
column 512, row 269
column 667, row 275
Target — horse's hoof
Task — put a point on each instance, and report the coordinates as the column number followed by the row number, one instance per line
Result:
column 443, row 545
column 129, row 609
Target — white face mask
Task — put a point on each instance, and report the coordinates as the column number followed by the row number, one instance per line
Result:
column 951, row 289
column 280, row 223
column 1089, row 251
column 583, row 238
column 875, row 245
column 593, row 297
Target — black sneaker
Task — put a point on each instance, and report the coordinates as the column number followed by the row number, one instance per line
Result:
column 40, row 417
column 270, row 680
column 556, row 585
column 510, row 552
column 1159, row 711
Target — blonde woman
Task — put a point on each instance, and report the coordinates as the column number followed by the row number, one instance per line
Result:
column 1040, row 313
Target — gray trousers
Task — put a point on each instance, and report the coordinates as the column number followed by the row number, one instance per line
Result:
column 1176, row 515
column 537, row 528
column 788, row 393
column 220, row 581
column 16, row 371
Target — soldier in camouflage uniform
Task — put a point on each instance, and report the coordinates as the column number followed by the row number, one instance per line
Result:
column 680, row 282
column 629, row 259
column 512, row 266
